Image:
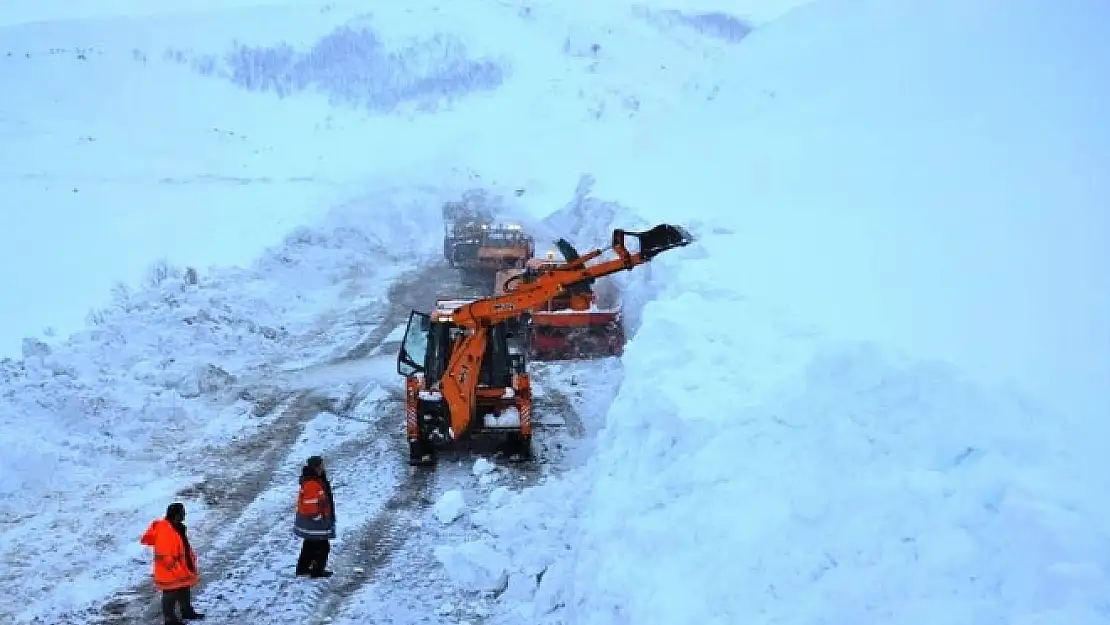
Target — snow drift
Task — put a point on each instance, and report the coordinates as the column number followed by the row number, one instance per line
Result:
column 109, row 424
column 897, row 216
column 937, row 189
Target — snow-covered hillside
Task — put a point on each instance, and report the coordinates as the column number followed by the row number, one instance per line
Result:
column 134, row 139
column 898, row 206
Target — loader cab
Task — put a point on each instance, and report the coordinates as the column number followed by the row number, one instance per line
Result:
column 428, row 344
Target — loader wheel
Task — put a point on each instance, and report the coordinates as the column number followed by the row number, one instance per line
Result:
column 516, row 448
column 422, row 453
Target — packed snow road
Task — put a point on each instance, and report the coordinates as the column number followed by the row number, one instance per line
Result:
column 396, row 524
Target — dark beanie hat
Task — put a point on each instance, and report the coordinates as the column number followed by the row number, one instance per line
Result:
column 315, row 461
column 175, row 510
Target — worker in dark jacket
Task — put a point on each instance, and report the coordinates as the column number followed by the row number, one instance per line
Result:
column 315, row 519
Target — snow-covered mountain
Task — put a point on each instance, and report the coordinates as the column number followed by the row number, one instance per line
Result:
column 874, row 390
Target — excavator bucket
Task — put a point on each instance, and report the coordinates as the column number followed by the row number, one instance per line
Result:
column 657, row 240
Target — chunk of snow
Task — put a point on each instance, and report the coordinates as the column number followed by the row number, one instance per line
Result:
column 509, row 418
column 450, row 506
column 205, row 380
column 482, row 466
column 521, row 587
column 499, row 496
column 474, row 566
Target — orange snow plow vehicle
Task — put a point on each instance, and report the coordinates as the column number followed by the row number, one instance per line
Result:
column 479, row 247
column 461, row 377
column 571, row 325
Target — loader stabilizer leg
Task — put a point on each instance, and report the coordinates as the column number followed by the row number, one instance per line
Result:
column 660, row 239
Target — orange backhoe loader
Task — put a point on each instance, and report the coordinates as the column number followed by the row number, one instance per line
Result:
column 461, row 378
column 571, row 325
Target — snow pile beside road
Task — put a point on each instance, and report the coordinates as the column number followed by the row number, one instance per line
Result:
column 536, row 532
column 828, row 479
column 104, row 428
column 753, row 468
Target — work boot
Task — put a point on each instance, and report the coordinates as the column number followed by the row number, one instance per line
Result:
column 321, row 574
column 193, row 615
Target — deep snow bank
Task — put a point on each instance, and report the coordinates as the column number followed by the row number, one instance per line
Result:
column 105, row 427
column 933, row 189
column 777, row 475
column 928, row 177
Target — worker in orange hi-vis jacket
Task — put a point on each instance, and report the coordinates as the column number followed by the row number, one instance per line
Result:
column 175, row 564
column 315, row 519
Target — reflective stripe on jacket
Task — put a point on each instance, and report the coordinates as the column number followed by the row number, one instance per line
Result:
column 315, row 518
column 171, row 570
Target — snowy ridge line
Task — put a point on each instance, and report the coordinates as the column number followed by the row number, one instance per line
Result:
column 142, row 346
column 256, row 457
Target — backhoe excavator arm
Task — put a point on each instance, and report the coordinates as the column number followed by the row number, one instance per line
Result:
column 491, row 310
column 460, row 380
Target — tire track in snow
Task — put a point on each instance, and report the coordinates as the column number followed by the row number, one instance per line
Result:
column 246, row 504
column 379, row 540
column 389, row 532
column 231, row 495
column 557, row 403
column 267, row 565
column 246, row 544
column 411, row 586
column 358, row 559
column 386, row 533
column 414, row 290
